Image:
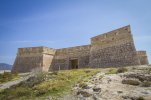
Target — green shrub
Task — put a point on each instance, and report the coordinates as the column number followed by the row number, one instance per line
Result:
column 112, row 71
column 83, row 85
column 7, row 76
column 22, row 91
column 87, row 71
column 122, row 70
column 140, row 98
column 55, row 73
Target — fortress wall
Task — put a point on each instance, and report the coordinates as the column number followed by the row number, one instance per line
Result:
column 32, row 58
column 63, row 56
column 142, row 57
column 113, row 49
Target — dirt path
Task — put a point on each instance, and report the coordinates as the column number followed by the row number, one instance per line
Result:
column 11, row 83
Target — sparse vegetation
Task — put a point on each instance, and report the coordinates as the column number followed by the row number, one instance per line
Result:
column 8, row 76
column 112, row 71
column 45, row 84
column 122, row 70
column 117, row 70
column 83, row 85
column 140, row 98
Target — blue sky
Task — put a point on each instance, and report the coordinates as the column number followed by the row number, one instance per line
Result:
column 66, row 23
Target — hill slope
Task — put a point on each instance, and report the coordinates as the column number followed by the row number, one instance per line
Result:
column 4, row 66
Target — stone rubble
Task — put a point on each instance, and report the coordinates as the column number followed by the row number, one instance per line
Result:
column 110, row 86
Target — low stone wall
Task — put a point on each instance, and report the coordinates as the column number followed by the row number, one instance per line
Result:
column 63, row 56
column 142, row 57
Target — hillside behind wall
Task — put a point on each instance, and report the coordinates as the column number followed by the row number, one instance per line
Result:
column 113, row 49
column 64, row 56
column 33, row 58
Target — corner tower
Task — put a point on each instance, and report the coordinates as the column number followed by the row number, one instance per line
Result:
column 32, row 58
column 142, row 55
column 113, row 49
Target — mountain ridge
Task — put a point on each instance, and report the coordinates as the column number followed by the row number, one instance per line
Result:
column 5, row 66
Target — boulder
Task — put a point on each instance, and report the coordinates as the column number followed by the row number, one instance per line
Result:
column 84, row 93
column 131, row 81
column 97, row 89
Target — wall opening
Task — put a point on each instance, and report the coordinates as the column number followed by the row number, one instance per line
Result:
column 74, row 63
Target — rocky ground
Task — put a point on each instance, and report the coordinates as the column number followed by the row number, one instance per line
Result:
column 135, row 84
column 130, row 83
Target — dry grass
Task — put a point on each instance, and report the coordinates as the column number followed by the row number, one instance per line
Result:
column 8, row 76
column 55, row 84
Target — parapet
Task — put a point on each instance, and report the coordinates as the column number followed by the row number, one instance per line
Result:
column 35, row 50
column 115, row 37
column 73, row 49
column 141, row 53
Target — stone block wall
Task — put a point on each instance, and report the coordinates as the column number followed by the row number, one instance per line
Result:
column 142, row 57
column 113, row 49
column 29, row 59
column 63, row 56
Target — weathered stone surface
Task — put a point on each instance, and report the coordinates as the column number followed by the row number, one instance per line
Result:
column 112, row 49
column 64, row 56
column 84, row 93
column 33, row 58
column 131, row 81
column 132, row 88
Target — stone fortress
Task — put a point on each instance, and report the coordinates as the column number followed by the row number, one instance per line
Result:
column 112, row 49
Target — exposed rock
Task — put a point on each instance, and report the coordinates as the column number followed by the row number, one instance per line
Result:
column 84, row 93
column 146, row 84
column 141, row 77
column 97, row 89
column 119, row 91
column 131, row 81
column 96, row 97
column 130, row 85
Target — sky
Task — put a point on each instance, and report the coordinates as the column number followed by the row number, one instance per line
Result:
column 67, row 23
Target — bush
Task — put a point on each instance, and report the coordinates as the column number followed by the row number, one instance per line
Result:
column 34, row 80
column 22, row 91
column 112, row 71
column 83, row 85
column 7, row 76
column 122, row 70
column 87, row 71
column 140, row 98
